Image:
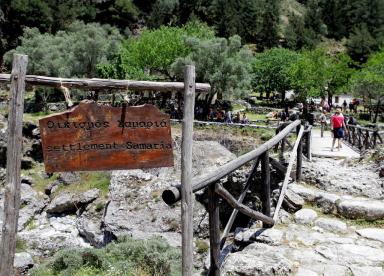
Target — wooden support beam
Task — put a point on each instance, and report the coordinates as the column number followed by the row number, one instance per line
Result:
column 309, row 144
column 240, row 207
column 171, row 196
column 289, row 169
column 214, row 231
column 14, row 153
column 299, row 160
column 186, row 172
column 266, row 187
column 232, row 218
column 98, row 84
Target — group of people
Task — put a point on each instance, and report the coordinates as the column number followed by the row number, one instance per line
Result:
column 223, row 116
column 338, row 124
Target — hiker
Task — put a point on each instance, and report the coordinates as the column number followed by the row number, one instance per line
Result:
column 323, row 122
column 338, row 127
column 284, row 114
column 237, row 118
column 245, row 119
column 345, row 106
column 352, row 121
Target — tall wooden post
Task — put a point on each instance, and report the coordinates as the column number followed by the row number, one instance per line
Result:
column 214, row 231
column 14, row 152
column 309, row 138
column 186, row 171
column 299, row 160
column 266, row 189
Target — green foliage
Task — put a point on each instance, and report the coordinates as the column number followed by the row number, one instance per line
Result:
column 153, row 52
column 224, row 64
column 270, row 70
column 368, row 82
column 164, row 12
column 309, row 74
column 74, row 52
column 361, row 43
column 255, row 21
column 201, row 246
column 124, row 257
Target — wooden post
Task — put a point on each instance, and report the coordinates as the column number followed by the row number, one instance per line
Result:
column 299, row 160
column 186, row 171
column 266, row 189
column 214, row 230
column 309, row 153
column 14, row 152
column 281, row 152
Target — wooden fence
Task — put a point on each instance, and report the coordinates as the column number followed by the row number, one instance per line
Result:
column 260, row 155
column 363, row 138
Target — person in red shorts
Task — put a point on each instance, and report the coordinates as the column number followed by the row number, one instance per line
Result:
column 338, row 127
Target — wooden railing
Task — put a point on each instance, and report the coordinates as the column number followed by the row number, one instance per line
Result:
column 251, row 124
column 259, row 156
column 363, row 138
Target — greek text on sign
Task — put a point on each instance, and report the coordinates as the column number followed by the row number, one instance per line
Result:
column 97, row 137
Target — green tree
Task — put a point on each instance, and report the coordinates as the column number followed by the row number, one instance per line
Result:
column 151, row 54
column 369, row 81
column 309, row 74
column 361, row 44
column 270, row 70
column 225, row 64
column 74, row 52
column 164, row 12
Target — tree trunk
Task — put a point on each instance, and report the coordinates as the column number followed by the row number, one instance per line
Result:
column 282, row 96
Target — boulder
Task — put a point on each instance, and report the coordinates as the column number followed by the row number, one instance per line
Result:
column 360, row 208
column 372, row 233
column 257, row 259
column 305, row 216
column 70, row 203
column 332, row 225
column 292, row 202
column 366, row 270
column 23, row 262
column 67, row 178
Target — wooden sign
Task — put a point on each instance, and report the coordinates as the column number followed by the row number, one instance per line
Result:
column 97, row 137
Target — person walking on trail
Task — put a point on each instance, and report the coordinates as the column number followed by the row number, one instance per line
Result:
column 323, row 122
column 345, row 106
column 338, row 127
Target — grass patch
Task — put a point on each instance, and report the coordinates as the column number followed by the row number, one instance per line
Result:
column 39, row 182
column 201, row 246
column 124, row 257
column 89, row 180
column 21, row 245
column 254, row 116
column 34, row 117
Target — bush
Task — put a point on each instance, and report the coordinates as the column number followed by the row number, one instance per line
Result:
column 123, row 257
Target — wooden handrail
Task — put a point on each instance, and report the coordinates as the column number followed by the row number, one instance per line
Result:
column 172, row 195
column 97, row 84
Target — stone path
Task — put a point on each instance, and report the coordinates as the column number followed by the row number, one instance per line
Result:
column 321, row 147
column 339, row 231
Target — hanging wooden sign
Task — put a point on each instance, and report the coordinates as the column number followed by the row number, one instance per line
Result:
column 97, row 137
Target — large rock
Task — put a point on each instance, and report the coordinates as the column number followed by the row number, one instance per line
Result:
column 305, row 216
column 136, row 207
column 60, row 233
column 69, row 203
column 23, row 262
column 362, row 208
column 332, row 225
column 372, row 233
column 292, row 202
column 257, row 259
column 366, row 270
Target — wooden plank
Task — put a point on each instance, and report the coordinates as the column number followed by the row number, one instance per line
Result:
column 289, row 169
column 14, row 154
column 198, row 183
column 93, row 137
column 232, row 218
column 240, row 207
column 214, row 231
column 186, row 171
column 98, row 84
column 266, row 187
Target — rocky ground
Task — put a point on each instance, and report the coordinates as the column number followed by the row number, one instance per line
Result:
column 338, row 231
